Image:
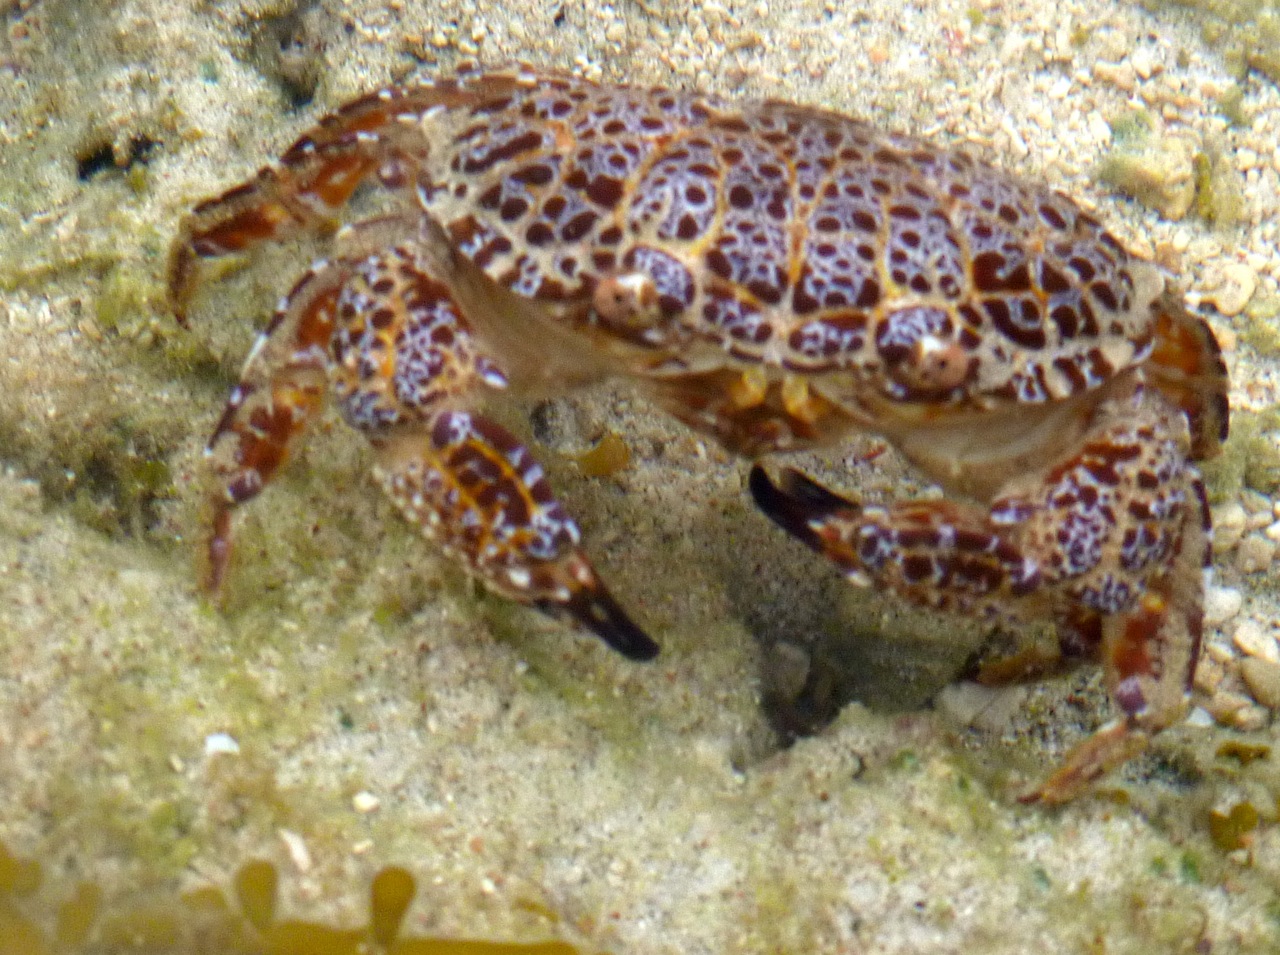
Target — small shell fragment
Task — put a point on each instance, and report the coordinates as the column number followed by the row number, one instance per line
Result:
column 1221, row 604
column 299, row 855
column 1239, row 282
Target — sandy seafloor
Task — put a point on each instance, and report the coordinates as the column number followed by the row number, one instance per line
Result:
column 535, row 784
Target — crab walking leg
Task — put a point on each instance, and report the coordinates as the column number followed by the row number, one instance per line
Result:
column 1149, row 654
column 1122, row 530
column 477, row 491
column 282, row 387
column 937, row 554
column 407, row 371
column 1116, row 534
column 378, row 134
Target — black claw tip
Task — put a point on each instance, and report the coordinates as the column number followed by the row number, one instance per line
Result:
column 795, row 502
column 596, row 610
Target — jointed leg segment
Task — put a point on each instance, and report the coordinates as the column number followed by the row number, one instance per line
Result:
column 385, row 335
column 1110, row 543
column 281, row 389
column 375, row 135
column 477, row 491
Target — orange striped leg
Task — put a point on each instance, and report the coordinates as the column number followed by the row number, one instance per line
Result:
column 936, row 554
column 374, row 135
column 477, row 491
column 1149, row 656
column 1186, row 365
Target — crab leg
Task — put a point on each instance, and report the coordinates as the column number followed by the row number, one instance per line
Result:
column 407, row 370
column 389, row 340
column 1149, row 655
column 1115, row 536
column 281, row 389
column 471, row 486
column 377, row 134
column 934, row 553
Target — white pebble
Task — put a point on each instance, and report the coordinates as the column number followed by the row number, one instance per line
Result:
column 1250, row 719
column 1144, row 64
column 1253, row 641
column 1225, row 704
column 1219, row 652
column 1221, row 604
column 365, row 802
column 1199, row 716
column 220, row 743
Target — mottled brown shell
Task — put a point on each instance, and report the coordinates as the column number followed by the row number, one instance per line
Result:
column 789, row 236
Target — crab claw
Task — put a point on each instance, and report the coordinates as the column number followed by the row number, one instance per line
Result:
column 796, row 503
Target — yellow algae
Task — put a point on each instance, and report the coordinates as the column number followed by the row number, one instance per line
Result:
column 18, row 936
column 389, row 897
column 609, row 456
column 255, row 886
column 76, row 916
column 203, row 920
column 18, row 876
column 1230, row 829
column 1242, row 752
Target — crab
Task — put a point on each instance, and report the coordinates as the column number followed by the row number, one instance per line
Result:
column 778, row 277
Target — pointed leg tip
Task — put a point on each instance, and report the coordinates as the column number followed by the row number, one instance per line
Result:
column 758, row 480
column 634, row 644
column 596, row 610
column 1106, row 750
column 1039, row 797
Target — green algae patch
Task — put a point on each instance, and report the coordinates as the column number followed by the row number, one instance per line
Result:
column 127, row 298
column 1230, row 104
column 1262, row 328
column 1219, row 199
column 1171, row 174
column 1247, row 32
column 1157, row 171
column 114, row 478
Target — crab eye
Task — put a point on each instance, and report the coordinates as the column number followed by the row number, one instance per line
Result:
column 628, row 300
column 939, row 364
column 919, row 350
